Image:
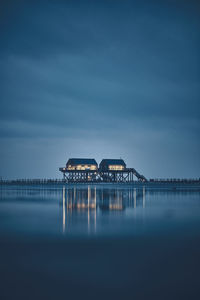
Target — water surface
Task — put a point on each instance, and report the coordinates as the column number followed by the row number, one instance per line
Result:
column 104, row 240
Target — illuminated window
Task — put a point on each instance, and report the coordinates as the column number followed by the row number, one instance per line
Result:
column 116, row 167
column 82, row 167
column 93, row 167
column 70, row 167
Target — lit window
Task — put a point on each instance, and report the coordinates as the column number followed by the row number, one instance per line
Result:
column 116, row 167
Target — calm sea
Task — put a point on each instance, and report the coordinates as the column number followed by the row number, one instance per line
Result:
column 99, row 242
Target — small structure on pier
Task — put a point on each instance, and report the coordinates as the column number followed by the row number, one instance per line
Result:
column 112, row 165
column 115, row 170
column 82, row 164
column 110, row 170
column 80, row 170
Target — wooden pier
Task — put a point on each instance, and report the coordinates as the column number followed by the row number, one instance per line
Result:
column 109, row 170
column 174, row 183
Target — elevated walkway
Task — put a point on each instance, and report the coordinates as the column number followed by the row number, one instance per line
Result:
column 125, row 175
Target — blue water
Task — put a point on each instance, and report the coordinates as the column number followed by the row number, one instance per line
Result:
column 102, row 241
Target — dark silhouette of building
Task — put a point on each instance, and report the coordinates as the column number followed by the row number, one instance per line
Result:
column 81, row 164
column 112, row 165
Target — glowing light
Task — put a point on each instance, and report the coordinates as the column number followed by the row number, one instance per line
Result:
column 134, row 198
column 143, row 202
column 88, row 209
column 115, row 206
column 63, row 209
column 116, row 167
column 95, row 202
column 82, row 167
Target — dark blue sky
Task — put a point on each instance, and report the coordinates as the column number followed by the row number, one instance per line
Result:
column 100, row 79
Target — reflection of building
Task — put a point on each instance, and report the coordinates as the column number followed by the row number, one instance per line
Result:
column 79, row 201
column 88, row 202
column 112, row 199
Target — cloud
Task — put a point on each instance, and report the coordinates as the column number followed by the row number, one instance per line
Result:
column 102, row 71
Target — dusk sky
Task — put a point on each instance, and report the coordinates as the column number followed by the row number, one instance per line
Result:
column 100, row 79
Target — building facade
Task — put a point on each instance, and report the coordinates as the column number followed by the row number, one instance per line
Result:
column 112, row 165
column 81, row 164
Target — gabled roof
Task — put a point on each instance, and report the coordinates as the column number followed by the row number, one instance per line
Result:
column 81, row 161
column 113, row 162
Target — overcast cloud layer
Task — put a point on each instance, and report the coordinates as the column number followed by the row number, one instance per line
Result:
column 100, row 79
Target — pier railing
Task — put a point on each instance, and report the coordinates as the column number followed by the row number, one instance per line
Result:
column 175, row 180
column 64, row 181
column 32, row 181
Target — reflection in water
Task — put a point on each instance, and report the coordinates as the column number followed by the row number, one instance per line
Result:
column 142, row 244
column 88, row 208
column 143, row 198
column 63, row 209
column 91, row 201
column 95, row 211
column 134, row 198
column 99, row 209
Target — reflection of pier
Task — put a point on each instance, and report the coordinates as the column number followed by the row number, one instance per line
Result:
column 78, row 201
column 111, row 200
column 88, row 201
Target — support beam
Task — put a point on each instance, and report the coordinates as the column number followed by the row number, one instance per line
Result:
column 126, row 175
